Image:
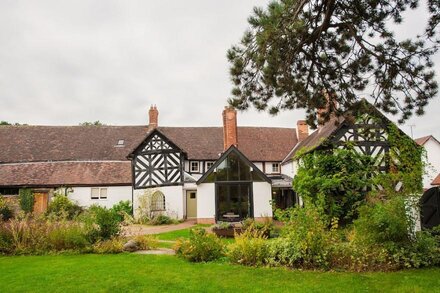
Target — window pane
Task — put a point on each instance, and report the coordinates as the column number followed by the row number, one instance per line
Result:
column 95, row 193
column 103, row 193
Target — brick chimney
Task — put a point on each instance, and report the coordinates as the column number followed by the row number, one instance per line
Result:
column 153, row 116
column 302, row 130
column 229, row 127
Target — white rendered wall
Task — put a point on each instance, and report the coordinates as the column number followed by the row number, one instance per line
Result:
column 432, row 148
column 262, row 197
column 82, row 195
column 206, row 200
column 174, row 199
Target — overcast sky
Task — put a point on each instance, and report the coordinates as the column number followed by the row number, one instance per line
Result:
column 66, row 62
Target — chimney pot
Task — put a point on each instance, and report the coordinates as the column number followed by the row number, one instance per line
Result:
column 229, row 127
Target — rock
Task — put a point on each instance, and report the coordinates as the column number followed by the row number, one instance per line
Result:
column 131, row 246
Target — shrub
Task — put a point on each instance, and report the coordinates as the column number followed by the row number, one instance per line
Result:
column 112, row 245
column 266, row 227
column 122, row 209
column 305, row 240
column 201, row 246
column 67, row 236
column 26, row 199
column 62, row 206
column 162, row 220
column 250, row 248
column 5, row 210
column 146, row 242
column 101, row 223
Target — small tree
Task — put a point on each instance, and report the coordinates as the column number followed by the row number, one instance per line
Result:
column 26, row 199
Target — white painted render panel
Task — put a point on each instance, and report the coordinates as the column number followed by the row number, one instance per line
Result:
column 433, row 156
column 206, row 200
column 174, row 199
column 262, row 197
column 82, row 196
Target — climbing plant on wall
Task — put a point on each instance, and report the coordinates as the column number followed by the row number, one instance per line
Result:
column 26, row 198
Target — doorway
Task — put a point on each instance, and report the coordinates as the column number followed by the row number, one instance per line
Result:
column 191, row 204
column 41, row 200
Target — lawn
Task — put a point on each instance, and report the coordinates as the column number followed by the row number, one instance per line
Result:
column 160, row 273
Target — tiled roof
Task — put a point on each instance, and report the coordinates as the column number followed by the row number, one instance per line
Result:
column 436, row 181
column 316, row 138
column 87, row 155
column 422, row 140
column 99, row 143
column 65, row 174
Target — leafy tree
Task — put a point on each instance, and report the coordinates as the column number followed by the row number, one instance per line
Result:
column 299, row 51
column 5, row 123
column 26, row 199
column 96, row 123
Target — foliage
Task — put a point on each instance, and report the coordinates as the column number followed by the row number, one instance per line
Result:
column 38, row 236
column 305, row 240
column 122, row 209
column 61, row 206
column 146, row 242
column 334, row 180
column 250, row 248
column 5, row 211
column 112, row 245
column 265, row 228
column 407, row 164
column 200, row 247
column 162, row 220
column 298, row 52
column 101, row 223
column 95, row 123
column 26, row 199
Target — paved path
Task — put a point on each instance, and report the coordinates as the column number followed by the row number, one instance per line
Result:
column 133, row 230
column 156, row 251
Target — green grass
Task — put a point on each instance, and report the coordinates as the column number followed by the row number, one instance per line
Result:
column 151, row 273
column 174, row 235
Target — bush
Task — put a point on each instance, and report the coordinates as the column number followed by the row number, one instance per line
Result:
column 62, row 207
column 122, row 209
column 266, row 227
column 67, row 236
column 146, row 242
column 112, row 245
column 101, row 223
column 305, row 240
column 162, row 220
column 26, row 199
column 250, row 248
column 37, row 236
column 5, row 211
column 201, row 246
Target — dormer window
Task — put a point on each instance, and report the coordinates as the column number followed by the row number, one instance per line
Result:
column 120, row 143
column 275, row 168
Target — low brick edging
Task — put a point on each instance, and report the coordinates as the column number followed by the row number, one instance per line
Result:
column 205, row 221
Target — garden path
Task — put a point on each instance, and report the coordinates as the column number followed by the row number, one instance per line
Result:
column 133, row 230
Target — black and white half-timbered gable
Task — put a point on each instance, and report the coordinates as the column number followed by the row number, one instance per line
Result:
column 366, row 130
column 156, row 162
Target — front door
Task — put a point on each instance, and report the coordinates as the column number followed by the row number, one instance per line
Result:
column 191, row 204
column 41, row 200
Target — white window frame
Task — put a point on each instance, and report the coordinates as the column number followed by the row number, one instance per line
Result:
column 101, row 191
column 209, row 164
column 194, row 170
column 275, row 167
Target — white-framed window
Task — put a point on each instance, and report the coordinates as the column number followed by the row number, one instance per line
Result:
column 194, row 166
column 209, row 165
column 157, row 202
column 99, row 193
column 275, row 168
